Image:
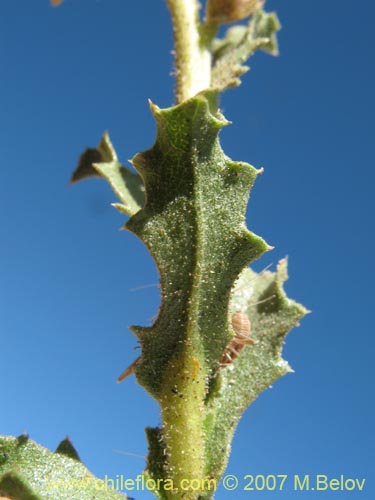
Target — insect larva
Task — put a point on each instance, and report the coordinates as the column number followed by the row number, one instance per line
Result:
column 242, row 329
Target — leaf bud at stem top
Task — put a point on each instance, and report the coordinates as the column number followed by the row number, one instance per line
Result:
column 228, row 11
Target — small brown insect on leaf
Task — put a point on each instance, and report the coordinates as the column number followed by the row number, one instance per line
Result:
column 242, row 329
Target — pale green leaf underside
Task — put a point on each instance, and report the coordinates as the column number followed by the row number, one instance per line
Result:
column 240, row 43
column 102, row 161
column 272, row 315
column 126, row 185
column 30, row 472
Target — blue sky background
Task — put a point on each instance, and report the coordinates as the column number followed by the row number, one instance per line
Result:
column 68, row 275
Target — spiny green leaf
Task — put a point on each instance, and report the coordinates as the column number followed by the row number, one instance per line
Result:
column 272, row 315
column 239, row 43
column 30, row 472
column 102, row 162
column 194, row 225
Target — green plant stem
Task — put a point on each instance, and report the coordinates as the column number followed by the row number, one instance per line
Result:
column 192, row 52
column 183, row 417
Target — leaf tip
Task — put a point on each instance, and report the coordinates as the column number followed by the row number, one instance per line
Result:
column 66, row 448
column 121, row 208
column 22, row 439
column 155, row 110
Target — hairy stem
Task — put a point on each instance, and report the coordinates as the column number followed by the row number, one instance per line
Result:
column 192, row 54
column 182, row 414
